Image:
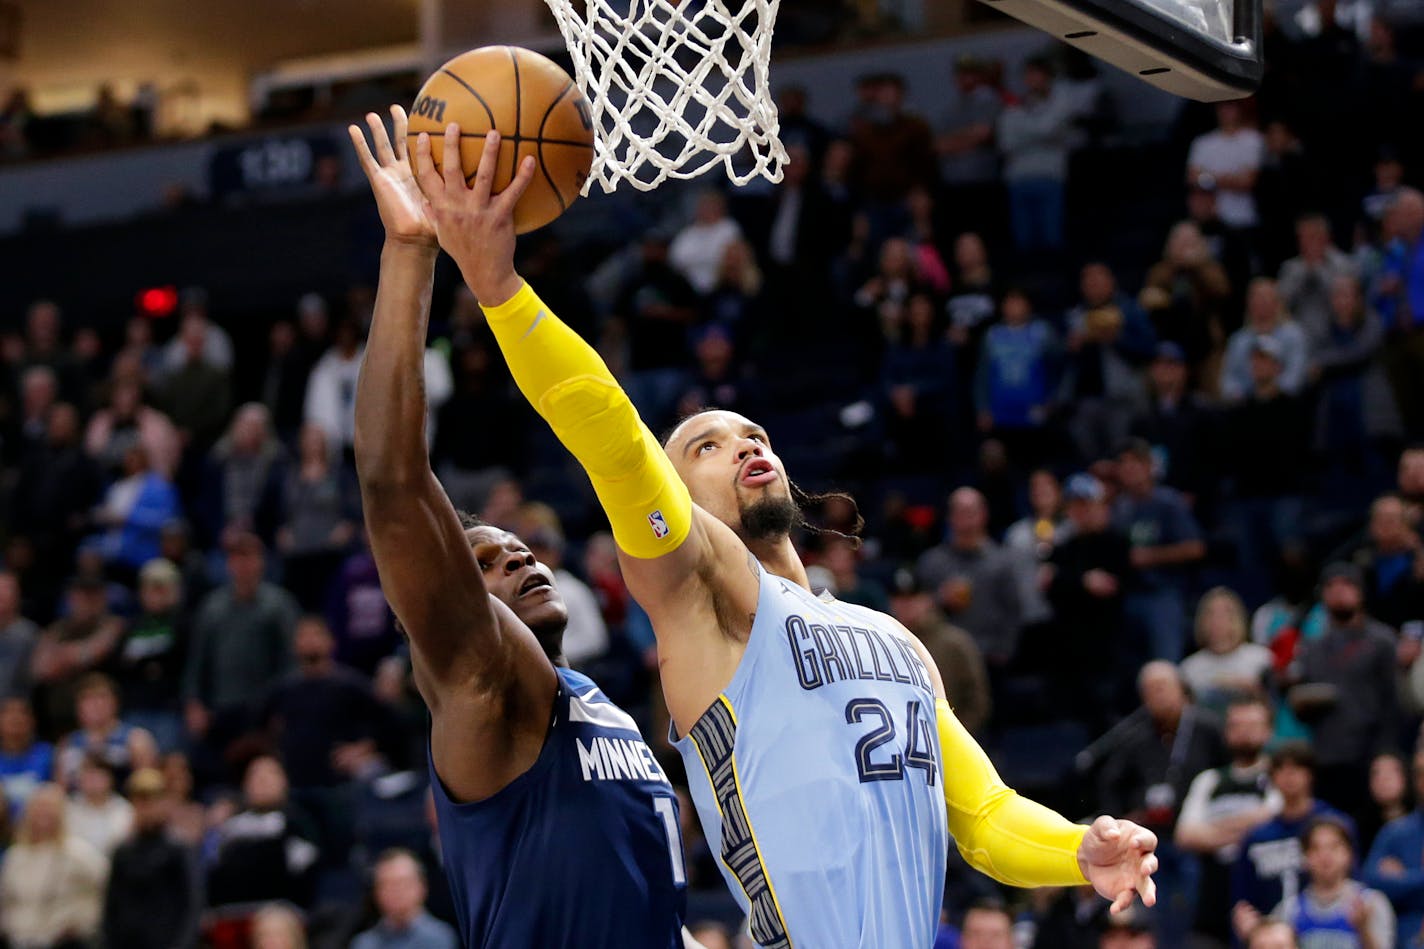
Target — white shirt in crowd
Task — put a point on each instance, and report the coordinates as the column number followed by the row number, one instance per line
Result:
column 697, row 251
column 586, row 635
column 331, row 394
column 1229, row 153
column 104, row 826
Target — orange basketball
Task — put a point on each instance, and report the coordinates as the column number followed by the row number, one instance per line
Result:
column 537, row 109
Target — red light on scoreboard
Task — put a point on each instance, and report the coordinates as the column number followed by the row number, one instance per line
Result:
column 157, row 302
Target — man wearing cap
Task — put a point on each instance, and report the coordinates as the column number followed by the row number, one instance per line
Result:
column 151, row 901
column 242, row 643
column 1086, row 575
column 1265, row 453
column 1177, row 423
column 1166, row 542
column 1346, row 690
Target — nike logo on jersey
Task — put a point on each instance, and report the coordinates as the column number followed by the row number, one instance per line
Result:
column 618, row 759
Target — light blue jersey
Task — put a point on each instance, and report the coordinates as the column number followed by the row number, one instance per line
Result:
column 816, row 777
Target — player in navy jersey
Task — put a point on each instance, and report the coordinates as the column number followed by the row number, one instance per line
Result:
column 558, row 827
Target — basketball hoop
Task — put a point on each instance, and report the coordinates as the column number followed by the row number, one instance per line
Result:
column 675, row 87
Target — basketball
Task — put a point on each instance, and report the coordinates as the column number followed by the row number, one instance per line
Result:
column 537, row 110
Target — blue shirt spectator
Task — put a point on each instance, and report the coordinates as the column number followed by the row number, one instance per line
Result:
column 1015, row 377
column 400, row 893
column 1395, row 865
column 25, row 764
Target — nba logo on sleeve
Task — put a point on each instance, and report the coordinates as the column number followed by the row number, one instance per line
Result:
column 659, row 526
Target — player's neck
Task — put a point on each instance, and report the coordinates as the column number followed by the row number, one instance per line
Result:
column 780, row 558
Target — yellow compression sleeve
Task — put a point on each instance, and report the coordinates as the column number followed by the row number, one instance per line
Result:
column 570, row 386
column 1008, row 837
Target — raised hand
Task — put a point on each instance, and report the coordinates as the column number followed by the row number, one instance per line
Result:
column 404, row 210
column 475, row 225
column 1117, row 858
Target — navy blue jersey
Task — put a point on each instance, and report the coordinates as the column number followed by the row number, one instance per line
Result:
column 582, row 850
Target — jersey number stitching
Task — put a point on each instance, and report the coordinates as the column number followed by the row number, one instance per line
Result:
column 919, row 753
column 663, row 805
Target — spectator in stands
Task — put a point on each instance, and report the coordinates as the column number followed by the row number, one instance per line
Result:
column 1015, row 381
column 1347, row 690
column 51, row 882
column 149, row 662
column 1357, row 422
column 58, row 485
column 1389, row 796
column 1227, row 667
column 295, row 351
column 1409, row 476
column 1265, row 444
column 893, row 149
column 217, row 345
column 919, row 379
column 1146, row 764
column 1395, row 865
column 17, row 641
column 44, row 346
column 323, row 510
column 987, row 924
column 715, row 378
column 1178, row 423
column 966, row 680
column 357, row 611
column 265, row 851
column 803, row 232
column 16, row 115
column 1334, row 904
column 656, row 305
column 883, row 297
column 1186, row 294
column 1034, row 138
column 176, row 545
column 39, row 391
column 127, row 420
column 1086, row 575
column 139, row 346
column 278, row 926
column 102, row 733
column 1109, row 337
column 25, row 762
column 1269, row 868
column 331, row 388
column 399, row 893
column 244, row 477
column 1229, row 158
column 1222, row 806
column 1398, row 296
column 1388, row 180
column 151, row 901
column 971, row 304
column 698, row 249
column 1045, row 526
column 1166, row 542
column 968, row 162
column 314, row 712
column 1266, row 317
column 1388, row 555
column 80, row 642
column 975, row 579
column 97, row 813
column 133, row 512
column 242, row 643
column 1307, row 281
column 735, row 300
column 197, row 392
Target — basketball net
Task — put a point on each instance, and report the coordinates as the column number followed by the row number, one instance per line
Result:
column 675, row 87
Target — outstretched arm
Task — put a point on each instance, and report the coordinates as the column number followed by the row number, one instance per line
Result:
column 670, row 543
column 487, row 682
column 1022, row 843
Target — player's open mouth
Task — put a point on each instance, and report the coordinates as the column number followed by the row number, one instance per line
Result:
column 535, row 583
column 757, row 472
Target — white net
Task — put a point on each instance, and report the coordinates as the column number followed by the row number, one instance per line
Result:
column 675, row 87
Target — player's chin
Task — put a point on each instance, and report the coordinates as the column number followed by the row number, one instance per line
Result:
column 543, row 609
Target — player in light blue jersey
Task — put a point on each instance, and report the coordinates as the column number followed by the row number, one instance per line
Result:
column 827, row 768
column 559, row 829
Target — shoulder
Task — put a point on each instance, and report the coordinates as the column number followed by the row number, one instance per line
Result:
column 370, row 939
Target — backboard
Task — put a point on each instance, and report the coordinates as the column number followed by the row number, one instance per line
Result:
column 1208, row 50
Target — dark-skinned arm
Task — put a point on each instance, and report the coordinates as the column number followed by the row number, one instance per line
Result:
column 487, row 682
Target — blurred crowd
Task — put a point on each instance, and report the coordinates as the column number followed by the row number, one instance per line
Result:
column 1160, row 526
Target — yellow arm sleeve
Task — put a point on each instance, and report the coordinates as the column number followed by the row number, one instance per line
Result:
column 568, row 384
column 1001, row 834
